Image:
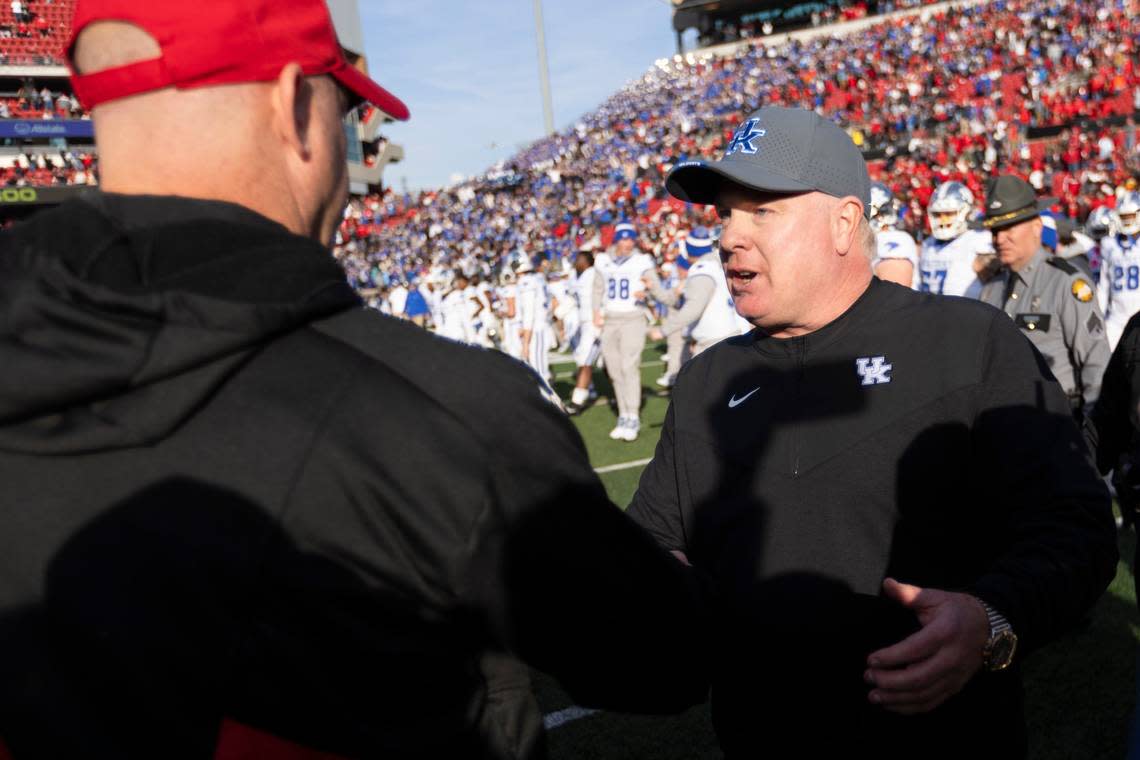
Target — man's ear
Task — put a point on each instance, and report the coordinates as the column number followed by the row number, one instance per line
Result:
column 293, row 96
column 845, row 223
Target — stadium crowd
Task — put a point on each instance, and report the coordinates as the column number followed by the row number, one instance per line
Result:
column 30, row 103
column 955, row 95
column 64, row 168
column 931, row 99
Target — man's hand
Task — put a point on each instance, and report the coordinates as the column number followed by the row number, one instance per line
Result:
column 986, row 266
column 925, row 669
column 599, row 320
column 656, row 334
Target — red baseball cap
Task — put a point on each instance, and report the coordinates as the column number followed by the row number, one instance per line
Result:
column 214, row 42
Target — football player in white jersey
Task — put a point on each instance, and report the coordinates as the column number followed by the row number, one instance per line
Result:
column 707, row 313
column 620, row 314
column 586, row 342
column 534, row 319
column 955, row 258
column 508, row 294
column 896, row 255
column 480, row 315
column 564, row 315
column 455, row 311
column 1119, row 287
column 1099, row 225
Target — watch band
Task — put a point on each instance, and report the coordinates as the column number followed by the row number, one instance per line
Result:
column 998, row 623
column 1002, row 642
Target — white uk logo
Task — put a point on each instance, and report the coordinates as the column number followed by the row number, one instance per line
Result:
column 873, row 369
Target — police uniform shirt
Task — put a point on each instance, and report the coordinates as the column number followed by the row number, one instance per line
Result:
column 1054, row 305
column 1119, row 287
column 947, row 266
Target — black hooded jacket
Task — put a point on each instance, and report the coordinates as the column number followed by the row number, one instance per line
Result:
column 238, row 507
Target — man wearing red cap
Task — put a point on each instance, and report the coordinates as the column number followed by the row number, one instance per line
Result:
column 244, row 516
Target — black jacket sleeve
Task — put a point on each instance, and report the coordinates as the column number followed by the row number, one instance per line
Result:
column 1114, row 418
column 573, row 585
column 1053, row 535
column 657, row 506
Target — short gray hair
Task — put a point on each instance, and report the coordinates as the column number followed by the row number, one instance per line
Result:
column 867, row 238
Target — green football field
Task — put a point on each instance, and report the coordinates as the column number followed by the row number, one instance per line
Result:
column 1079, row 691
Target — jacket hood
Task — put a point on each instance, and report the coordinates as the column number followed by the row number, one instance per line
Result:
column 119, row 315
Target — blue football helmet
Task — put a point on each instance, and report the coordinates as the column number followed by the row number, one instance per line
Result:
column 1100, row 222
column 884, row 207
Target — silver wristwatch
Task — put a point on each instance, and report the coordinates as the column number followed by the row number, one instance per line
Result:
column 1002, row 644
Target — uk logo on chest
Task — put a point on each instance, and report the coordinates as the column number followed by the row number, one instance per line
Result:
column 873, row 369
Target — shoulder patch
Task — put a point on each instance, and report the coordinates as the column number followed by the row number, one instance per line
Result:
column 1061, row 264
column 1082, row 290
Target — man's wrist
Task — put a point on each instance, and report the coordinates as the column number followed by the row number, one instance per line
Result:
column 1001, row 640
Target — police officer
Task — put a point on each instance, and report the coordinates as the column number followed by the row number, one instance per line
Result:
column 1052, row 301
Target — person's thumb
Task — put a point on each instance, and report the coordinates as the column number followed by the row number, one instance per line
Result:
column 903, row 593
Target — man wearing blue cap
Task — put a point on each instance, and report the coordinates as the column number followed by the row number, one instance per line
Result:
column 864, row 448
column 621, row 316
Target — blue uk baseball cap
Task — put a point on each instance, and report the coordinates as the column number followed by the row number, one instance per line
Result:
column 782, row 151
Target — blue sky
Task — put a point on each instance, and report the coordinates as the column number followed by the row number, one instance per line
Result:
column 469, row 72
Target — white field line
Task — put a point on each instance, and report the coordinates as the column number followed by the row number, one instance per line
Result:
column 622, row 466
column 565, row 715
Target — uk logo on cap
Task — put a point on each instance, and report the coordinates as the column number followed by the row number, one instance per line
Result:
column 744, row 140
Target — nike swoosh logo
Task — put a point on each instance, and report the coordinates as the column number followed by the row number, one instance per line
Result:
column 735, row 402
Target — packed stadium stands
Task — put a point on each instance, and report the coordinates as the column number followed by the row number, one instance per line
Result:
column 1030, row 87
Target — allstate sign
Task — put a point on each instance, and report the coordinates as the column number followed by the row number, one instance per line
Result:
column 45, row 128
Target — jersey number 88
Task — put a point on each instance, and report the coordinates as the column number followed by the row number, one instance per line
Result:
column 618, row 289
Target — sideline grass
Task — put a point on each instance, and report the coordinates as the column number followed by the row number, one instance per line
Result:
column 1080, row 690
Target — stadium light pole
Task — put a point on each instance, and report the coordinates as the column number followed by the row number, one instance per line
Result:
column 543, row 71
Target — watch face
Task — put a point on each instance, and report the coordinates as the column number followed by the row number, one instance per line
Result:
column 1001, row 650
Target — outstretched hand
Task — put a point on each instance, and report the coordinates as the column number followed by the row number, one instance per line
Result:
column 928, row 667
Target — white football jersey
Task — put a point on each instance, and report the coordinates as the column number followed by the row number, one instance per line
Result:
column 947, row 267
column 510, row 334
column 621, row 279
column 896, row 244
column 719, row 320
column 1119, row 286
column 584, row 293
column 533, row 302
column 434, row 298
column 453, row 316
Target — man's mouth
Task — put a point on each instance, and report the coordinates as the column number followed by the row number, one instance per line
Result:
column 740, row 278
